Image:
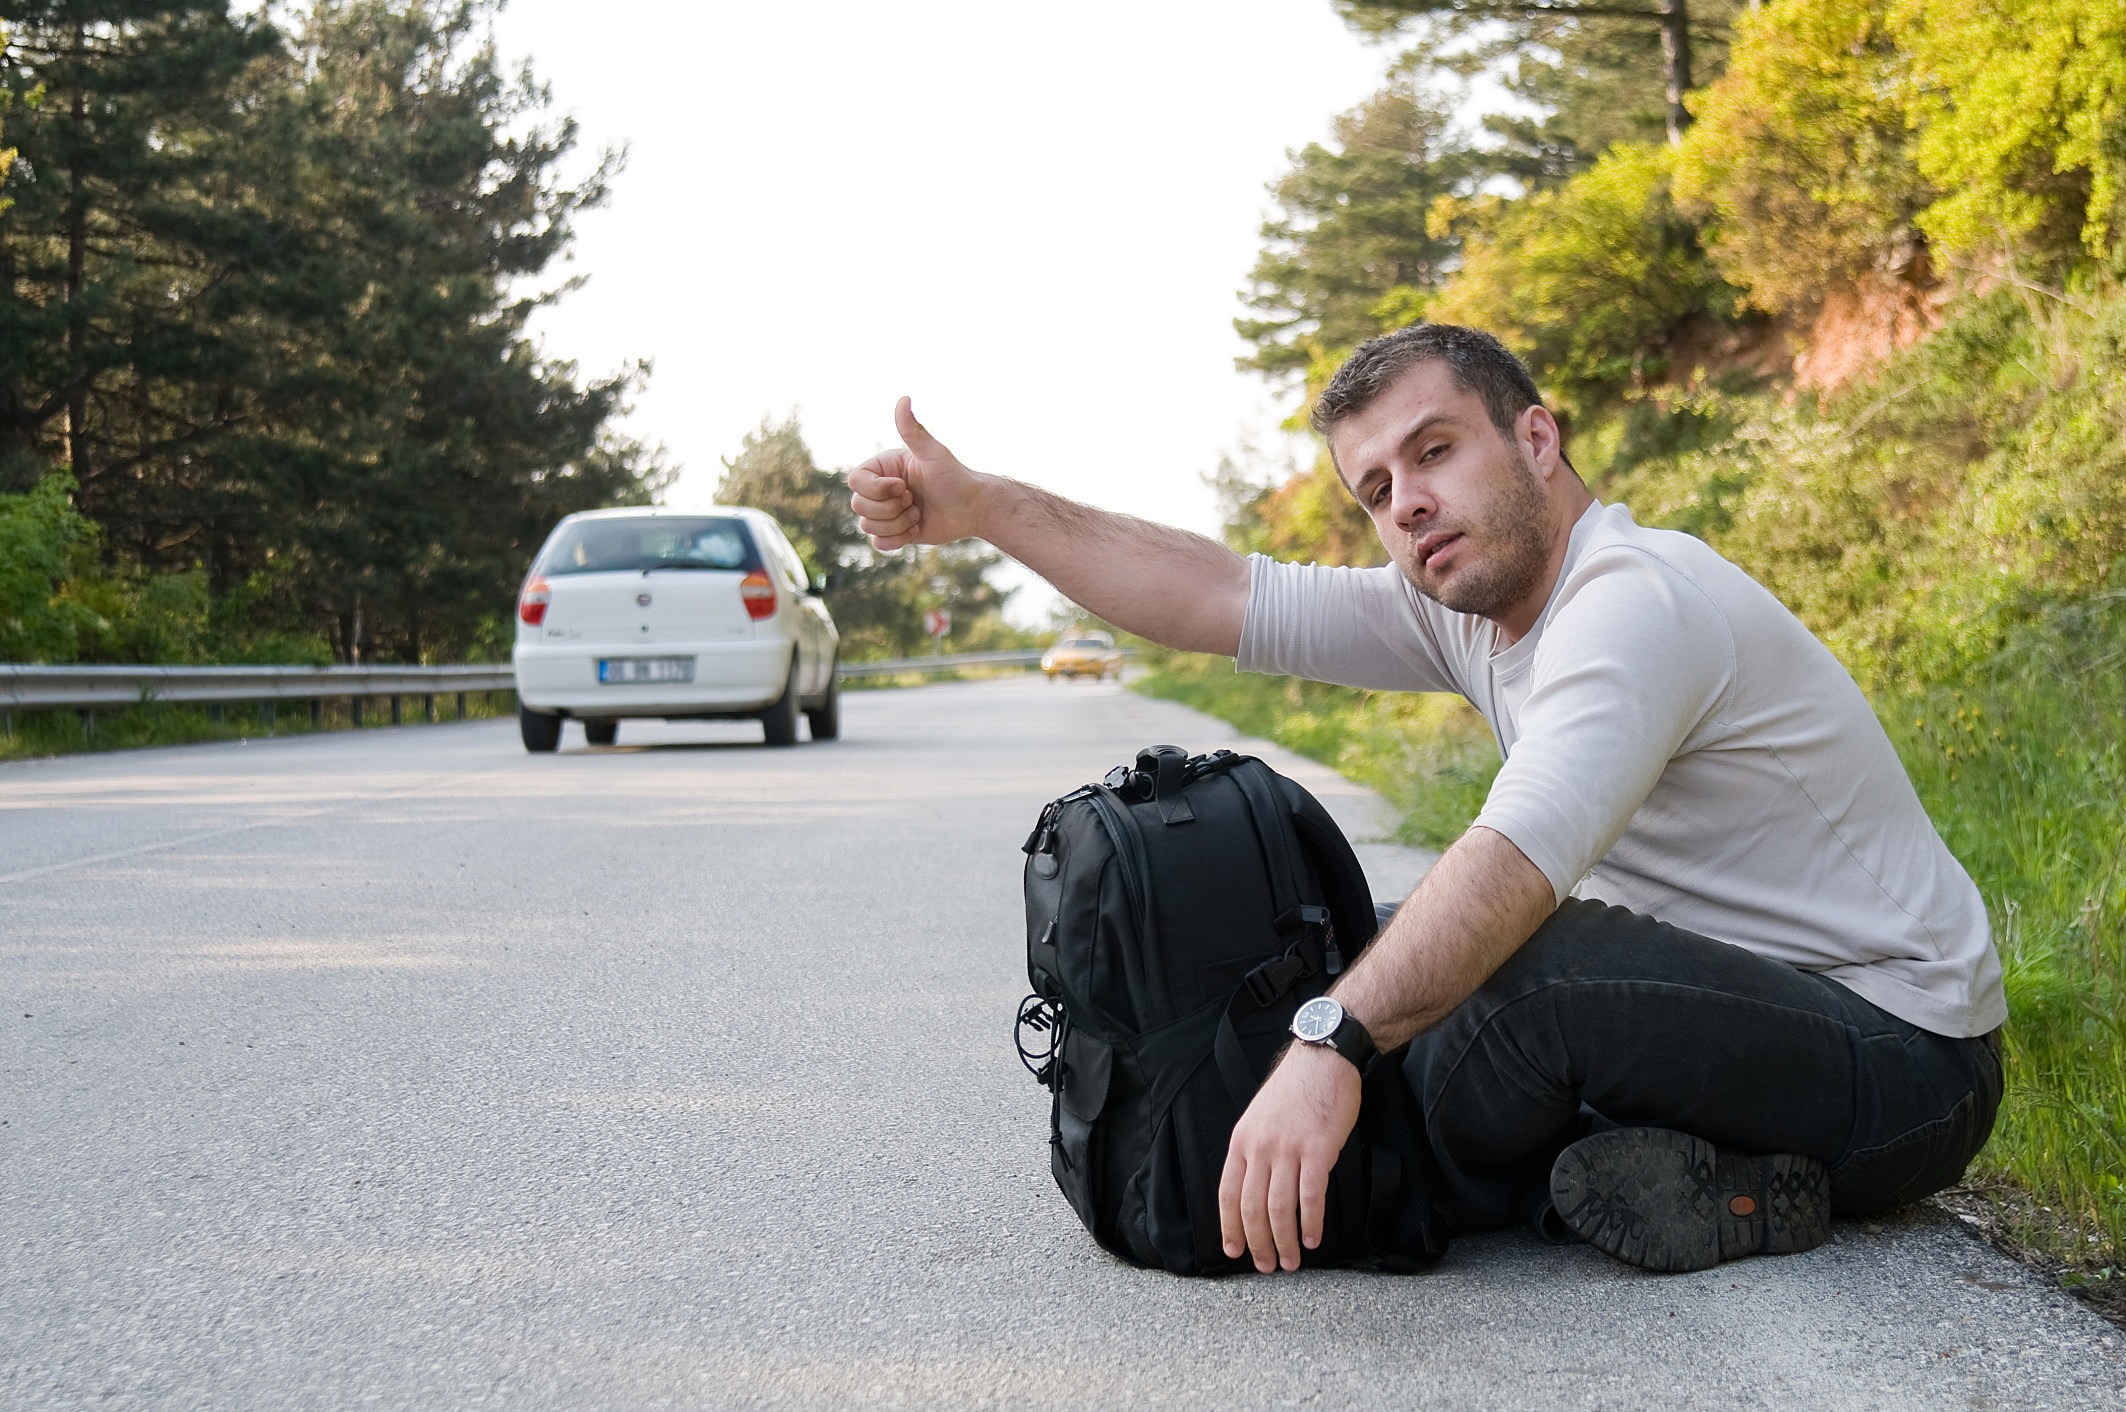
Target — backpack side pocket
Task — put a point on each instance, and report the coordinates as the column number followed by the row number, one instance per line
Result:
column 1087, row 1069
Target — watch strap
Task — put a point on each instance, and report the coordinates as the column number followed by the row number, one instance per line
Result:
column 1354, row 1042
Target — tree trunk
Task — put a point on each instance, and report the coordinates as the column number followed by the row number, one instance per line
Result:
column 77, row 251
column 364, row 632
column 1675, row 58
column 17, row 432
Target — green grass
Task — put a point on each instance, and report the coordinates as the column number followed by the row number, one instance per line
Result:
column 1431, row 756
column 920, row 678
column 32, row 734
column 2021, row 766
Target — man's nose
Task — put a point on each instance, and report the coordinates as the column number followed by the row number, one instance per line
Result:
column 1411, row 503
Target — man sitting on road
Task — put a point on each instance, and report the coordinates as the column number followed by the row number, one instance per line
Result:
column 1702, row 972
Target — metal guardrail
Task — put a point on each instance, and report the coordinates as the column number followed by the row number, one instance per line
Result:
column 37, row 688
column 25, row 688
column 912, row 666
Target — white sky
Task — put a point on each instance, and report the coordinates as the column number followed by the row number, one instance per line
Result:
column 1033, row 219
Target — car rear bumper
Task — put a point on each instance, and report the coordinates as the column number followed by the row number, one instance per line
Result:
column 729, row 678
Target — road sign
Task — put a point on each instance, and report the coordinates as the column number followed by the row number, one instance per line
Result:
column 937, row 622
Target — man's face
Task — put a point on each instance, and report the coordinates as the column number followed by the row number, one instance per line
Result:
column 1460, row 507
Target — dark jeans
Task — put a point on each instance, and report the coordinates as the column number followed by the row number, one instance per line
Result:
column 1607, row 1018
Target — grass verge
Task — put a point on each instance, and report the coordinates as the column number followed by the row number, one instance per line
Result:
column 1431, row 756
column 34, row 734
column 930, row 678
column 2021, row 766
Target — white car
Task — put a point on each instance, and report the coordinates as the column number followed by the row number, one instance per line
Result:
column 655, row 613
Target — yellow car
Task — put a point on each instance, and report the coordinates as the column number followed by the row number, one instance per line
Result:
column 1090, row 654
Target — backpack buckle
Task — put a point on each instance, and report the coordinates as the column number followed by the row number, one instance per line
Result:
column 1274, row 978
column 1316, row 923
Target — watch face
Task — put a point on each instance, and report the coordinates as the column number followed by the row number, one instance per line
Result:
column 1317, row 1020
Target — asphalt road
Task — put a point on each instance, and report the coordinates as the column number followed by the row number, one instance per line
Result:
column 402, row 1069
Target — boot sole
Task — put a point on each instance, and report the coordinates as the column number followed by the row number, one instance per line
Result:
column 1668, row 1201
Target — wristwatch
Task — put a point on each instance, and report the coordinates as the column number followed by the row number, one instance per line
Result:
column 1324, row 1022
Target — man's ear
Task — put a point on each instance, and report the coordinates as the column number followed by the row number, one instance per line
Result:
column 1544, row 441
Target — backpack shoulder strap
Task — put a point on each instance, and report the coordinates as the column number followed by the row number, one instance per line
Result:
column 1345, row 891
column 1273, row 826
column 1288, row 820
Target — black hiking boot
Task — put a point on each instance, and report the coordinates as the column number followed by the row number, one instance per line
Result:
column 1669, row 1201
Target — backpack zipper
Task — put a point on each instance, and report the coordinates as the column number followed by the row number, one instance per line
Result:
column 1129, row 853
column 1043, row 837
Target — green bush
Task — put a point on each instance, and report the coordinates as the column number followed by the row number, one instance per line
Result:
column 42, row 539
column 60, row 603
column 1916, row 521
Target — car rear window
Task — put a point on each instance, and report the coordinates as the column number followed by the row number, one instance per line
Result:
column 627, row 545
column 1086, row 642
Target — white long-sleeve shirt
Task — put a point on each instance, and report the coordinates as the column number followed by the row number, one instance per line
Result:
column 1675, row 742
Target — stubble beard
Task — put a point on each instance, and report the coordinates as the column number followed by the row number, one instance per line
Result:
column 1514, row 531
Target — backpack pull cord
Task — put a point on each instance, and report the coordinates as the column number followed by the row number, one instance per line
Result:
column 1041, row 1016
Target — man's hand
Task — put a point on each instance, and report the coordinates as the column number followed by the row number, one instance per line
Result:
column 920, row 495
column 1472, row 911
column 1174, row 587
column 1276, row 1182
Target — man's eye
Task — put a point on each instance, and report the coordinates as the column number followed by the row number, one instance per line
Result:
column 1433, row 453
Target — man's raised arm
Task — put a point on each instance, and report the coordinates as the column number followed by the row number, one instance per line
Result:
column 1176, row 588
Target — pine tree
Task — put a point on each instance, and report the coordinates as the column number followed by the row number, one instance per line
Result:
column 107, row 253
column 1351, row 235
column 1599, row 68
column 265, row 289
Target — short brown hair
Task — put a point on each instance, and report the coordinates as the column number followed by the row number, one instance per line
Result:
column 1477, row 362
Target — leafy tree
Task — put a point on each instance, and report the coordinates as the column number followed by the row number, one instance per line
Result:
column 2019, row 109
column 1844, row 138
column 1590, row 282
column 1586, row 82
column 1312, row 516
column 774, row 471
column 1803, row 152
column 878, row 599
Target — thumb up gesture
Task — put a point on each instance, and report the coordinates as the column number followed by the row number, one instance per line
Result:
column 918, row 493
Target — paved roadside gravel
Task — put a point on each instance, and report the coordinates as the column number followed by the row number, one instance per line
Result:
column 401, row 1069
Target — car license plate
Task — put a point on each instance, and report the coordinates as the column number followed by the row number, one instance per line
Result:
column 620, row 671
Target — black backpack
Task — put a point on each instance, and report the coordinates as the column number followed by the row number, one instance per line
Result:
column 1177, row 914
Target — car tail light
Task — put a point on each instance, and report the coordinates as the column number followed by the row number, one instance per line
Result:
column 759, row 595
column 531, row 603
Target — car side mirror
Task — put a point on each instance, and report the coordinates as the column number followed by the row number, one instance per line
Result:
column 824, row 584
